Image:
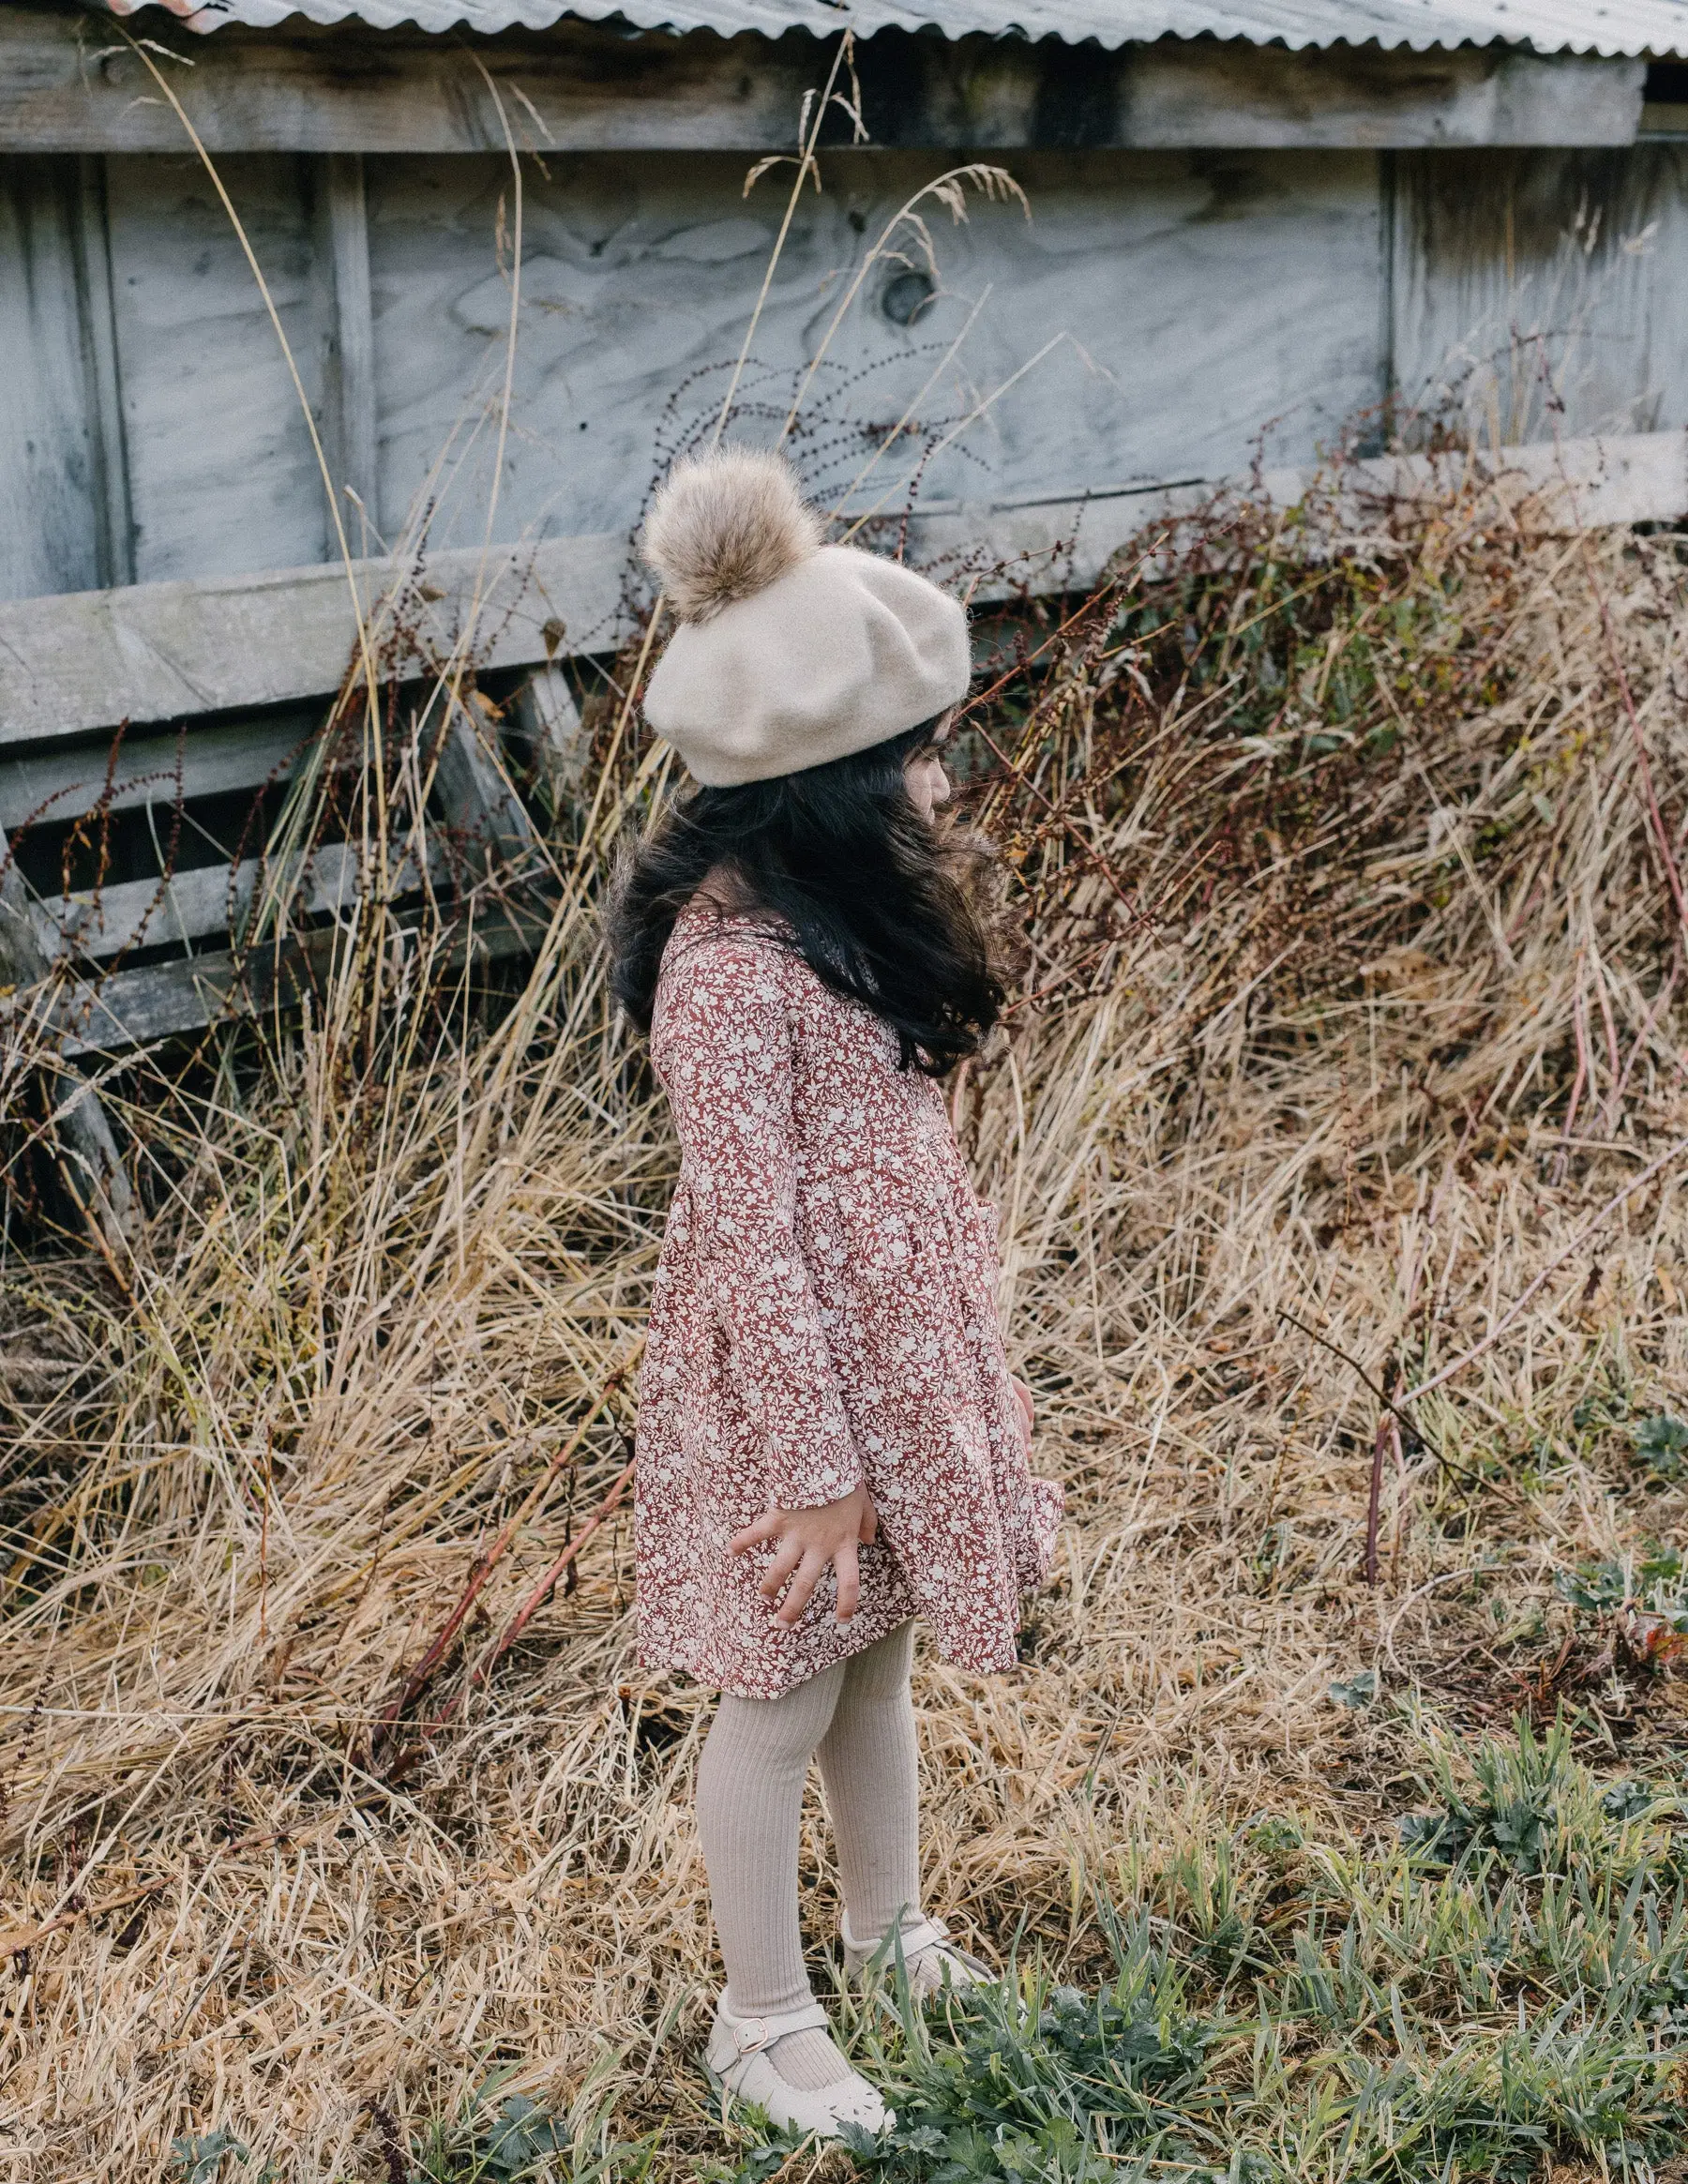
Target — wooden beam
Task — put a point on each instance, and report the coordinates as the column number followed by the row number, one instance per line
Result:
column 1225, row 93
column 67, row 82
column 1066, row 545
column 109, row 453
column 48, row 787
column 133, row 1007
column 210, row 899
column 489, row 820
column 77, row 662
column 159, row 1001
column 93, row 1167
column 580, row 86
column 49, row 536
column 349, row 349
column 546, row 715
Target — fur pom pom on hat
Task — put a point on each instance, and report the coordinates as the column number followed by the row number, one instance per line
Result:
column 789, row 653
column 725, row 526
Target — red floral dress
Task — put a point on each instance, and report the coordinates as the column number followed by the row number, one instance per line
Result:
column 824, row 1314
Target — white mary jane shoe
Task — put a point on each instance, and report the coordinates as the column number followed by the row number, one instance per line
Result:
column 931, row 1960
column 741, row 2054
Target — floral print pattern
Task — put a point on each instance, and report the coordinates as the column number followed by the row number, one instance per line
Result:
column 824, row 1315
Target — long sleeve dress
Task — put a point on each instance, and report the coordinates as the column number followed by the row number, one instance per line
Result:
column 824, row 1315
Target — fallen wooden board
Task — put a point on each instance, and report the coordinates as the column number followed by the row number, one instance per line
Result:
column 210, row 899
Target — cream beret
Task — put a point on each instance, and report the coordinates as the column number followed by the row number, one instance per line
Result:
column 789, row 652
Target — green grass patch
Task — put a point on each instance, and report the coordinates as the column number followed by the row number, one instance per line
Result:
column 1496, row 1983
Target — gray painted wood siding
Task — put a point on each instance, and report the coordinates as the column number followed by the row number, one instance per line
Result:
column 50, row 539
column 1529, row 279
column 221, row 470
column 151, row 432
column 1200, row 296
column 1198, row 306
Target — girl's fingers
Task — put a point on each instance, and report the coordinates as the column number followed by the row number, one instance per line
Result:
column 801, row 1588
column 850, row 1582
column 784, row 1562
column 869, row 1531
column 754, row 1534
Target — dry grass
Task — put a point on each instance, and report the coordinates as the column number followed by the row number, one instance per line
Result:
column 1340, row 878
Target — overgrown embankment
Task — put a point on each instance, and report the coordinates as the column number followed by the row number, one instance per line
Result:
column 1349, row 1063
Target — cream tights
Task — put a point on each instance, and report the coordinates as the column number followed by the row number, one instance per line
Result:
column 859, row 1718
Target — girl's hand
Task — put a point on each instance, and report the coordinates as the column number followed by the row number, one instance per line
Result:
column 809, row 1539
column 1022, row 1395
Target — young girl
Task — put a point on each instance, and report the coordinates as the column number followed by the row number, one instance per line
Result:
column 829, row 1440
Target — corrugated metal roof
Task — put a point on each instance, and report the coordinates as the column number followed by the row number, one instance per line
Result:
column 1549, row 27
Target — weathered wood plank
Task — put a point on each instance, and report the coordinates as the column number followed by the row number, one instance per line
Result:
column 78, row 661
column 98, row 1177
column 489, row 819
column 1230, row 95
column 349, row 342
column 221, row 472
column 49, row 539
column 131, row 1007
column 1538, row 292
column 46, row 787
column 211, row 898
column 546, row 712
column 1196, row 299
column 1199, row 301
column 1632, row 478
column 1196, row 302
column 115, row 537
column 582, row 86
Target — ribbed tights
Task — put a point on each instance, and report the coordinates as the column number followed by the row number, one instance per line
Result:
column 858, row 1716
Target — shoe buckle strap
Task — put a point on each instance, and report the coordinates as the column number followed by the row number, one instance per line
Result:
column 751, row 2035
column 923, row 1934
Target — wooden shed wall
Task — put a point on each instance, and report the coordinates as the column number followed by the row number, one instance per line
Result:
column 1505, row 261
column 1171, row 311
column 1207, row 299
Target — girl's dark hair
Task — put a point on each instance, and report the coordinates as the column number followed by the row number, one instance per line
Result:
column 882, row 904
